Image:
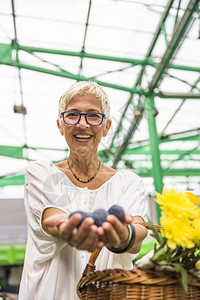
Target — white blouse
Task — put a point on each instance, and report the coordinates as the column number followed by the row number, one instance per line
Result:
column 52, row 268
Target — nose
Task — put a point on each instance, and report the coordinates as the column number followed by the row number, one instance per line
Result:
column 82, row 122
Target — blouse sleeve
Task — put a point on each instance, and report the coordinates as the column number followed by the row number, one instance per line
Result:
column 133, row 195
column 41, row 192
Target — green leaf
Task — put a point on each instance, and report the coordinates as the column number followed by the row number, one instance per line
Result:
column 184, row 276
column 155, row 234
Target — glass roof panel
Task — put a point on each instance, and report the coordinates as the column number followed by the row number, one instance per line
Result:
column 57, row 44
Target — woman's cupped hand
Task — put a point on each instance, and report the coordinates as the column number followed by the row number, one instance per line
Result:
column 86, row 235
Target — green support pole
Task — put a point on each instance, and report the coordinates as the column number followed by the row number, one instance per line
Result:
column 154, row 149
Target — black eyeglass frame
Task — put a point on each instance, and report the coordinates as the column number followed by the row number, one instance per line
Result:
column 82, row 114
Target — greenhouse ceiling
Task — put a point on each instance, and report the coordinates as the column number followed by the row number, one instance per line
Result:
column 144, row 53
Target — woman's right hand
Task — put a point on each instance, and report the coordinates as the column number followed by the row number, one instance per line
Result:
column 84, row 237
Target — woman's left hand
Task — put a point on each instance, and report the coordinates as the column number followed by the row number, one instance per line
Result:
column 113, row 233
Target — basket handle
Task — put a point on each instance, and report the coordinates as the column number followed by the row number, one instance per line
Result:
column 95, row 253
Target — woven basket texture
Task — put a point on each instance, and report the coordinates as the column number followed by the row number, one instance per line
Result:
column 118, row 284
column 135, row 284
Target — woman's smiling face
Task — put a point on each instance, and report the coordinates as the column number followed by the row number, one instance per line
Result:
column 82, row 138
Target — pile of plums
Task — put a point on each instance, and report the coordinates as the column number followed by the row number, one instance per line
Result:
column 99, row 215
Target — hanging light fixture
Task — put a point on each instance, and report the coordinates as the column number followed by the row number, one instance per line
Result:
column 19, row 109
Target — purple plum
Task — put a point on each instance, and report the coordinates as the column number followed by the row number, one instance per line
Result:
column 83, row 214
column 99, row 216
column 118, row 211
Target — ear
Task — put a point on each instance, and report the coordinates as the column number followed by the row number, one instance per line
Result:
column 59, row 127
column 107, row 127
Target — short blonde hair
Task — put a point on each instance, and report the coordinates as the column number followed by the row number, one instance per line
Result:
column 83, row 88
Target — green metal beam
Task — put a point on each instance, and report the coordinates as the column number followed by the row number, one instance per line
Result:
column 177, row 13
column 183, row 156
column 174, row 43
column 12, row 180
column 193, row 86
column 185, row 172
column 180, row 137
column 124, row 145
column 15, row 42
column 106, row 84
column 84, row 54
column 5, row 53
column 177, row 95
column 188, row 172
column 185, row 68
column 189, row 135
column 75, row 77
column 144, row 161
column 143, row 151
column 148, row 61
column 158, row 30
column 85, row 35
column 12, row 151
column 154, row 146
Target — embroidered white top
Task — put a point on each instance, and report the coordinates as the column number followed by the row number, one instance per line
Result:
column 52, row 268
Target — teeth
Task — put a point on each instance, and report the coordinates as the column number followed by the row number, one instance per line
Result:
column 85, row 136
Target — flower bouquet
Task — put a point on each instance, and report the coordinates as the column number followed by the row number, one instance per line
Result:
column 177, row 245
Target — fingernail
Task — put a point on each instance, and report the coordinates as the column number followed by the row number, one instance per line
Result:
column 90, row 221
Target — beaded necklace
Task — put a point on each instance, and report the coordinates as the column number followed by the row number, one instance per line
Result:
column 84, row 180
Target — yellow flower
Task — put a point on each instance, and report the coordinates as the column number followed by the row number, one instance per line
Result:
column 193, row 198
column 180, row 218
column 179, row 242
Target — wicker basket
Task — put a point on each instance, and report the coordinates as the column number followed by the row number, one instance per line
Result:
column 135, row 284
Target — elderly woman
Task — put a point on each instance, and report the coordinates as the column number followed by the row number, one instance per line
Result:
column 58, row 247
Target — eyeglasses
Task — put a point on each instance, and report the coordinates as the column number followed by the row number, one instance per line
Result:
column 73, row 117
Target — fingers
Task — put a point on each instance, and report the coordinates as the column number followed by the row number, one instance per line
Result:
column 84, row 237
column 51, row 224
column 69, row 227
column 110, row 238
column 113, row 233
column 90, row 241
column 128, row 218
column 60, row 226
column 83, row 231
